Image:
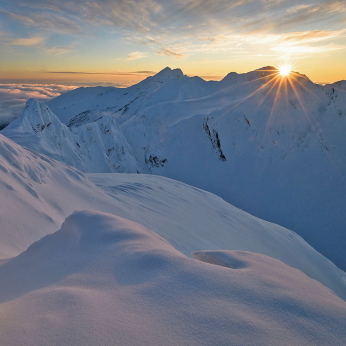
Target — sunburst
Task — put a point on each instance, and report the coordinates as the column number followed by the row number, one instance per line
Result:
column 277, row 82
column 285, row 70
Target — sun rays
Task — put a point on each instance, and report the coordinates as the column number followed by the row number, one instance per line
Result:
column 278, row 80
column 285, row 70
column 280, row 84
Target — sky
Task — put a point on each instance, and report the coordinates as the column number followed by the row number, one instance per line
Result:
column 120, row 42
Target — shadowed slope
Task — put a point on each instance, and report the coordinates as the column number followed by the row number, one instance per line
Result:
column 102, row 279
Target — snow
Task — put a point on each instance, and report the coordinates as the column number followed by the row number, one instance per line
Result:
column 148, row 259
column 102, row 279
column 278, row 154
column 99, row 144
column 153, row 260
column 38, row 193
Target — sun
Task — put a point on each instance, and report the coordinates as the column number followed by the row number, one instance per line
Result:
column 285, row 70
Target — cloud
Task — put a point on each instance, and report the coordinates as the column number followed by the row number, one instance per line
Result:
column 313, row 36
column 202, row 61
column 136, row 55
column 303, row 49
column 31, row 41
column 14, row 96
column 192, row 17
column 59, row 50
column 307, row 42
column 20, row 18
column 57, row 22
column 179, row 28
column 114, row 73
column 130, row 14
column 169, row 52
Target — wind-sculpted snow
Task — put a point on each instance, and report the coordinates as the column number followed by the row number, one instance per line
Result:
column 193, row 220
column 37, row 193
column 268, row 146
column 102, row 279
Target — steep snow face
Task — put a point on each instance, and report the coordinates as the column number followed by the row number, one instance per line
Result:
column 103, row 279
column 39, row 129
column 99, row 146
column 37, row 193
column 102, row 147
column 337, row 97
column 274, row 150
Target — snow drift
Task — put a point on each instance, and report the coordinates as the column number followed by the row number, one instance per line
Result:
column 38, row 193
column 102, row 279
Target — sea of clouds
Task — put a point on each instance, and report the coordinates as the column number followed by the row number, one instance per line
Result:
column 13, row 97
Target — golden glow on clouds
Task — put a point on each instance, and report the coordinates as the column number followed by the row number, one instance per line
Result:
column 199, row 37
column 31, row 41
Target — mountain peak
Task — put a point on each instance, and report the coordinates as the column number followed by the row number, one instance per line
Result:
column 168, row 73
column 267, row 69
column 36, row 117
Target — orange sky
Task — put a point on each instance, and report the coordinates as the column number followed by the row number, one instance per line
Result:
column 112, row 41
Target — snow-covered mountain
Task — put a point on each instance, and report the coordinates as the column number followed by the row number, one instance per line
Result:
column 103, row 280
column 98, row 144
column 271, row 146
column 37, row 193
column 123, row 273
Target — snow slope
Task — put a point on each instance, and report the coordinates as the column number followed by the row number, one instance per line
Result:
column 192, row 220
column 105, row 280
column 85, row 105
column 99, row 144
column 38, row 193
column 268, row 147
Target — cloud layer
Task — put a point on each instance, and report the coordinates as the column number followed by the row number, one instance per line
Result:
column 14, row 96
column 176, row 28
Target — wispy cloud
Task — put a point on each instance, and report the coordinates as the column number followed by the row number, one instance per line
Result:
column 308, row 42
column 136, row 55
column 18, row 17
column 56, row 22
column 114, row 73
column 202, row 61
column 170, row 52
column 30, row 41
column 303, row 49
column 59, row 50
column 180, row 28
column 313, row 35
column 176, row 17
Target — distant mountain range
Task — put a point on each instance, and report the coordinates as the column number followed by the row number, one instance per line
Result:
column 272, row 146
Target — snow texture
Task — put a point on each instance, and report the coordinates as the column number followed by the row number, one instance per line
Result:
column 38, row 193
column 277, row 153
column 104, row 280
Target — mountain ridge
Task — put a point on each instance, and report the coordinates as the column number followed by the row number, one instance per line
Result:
column 38, row 193
column 269, row 145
